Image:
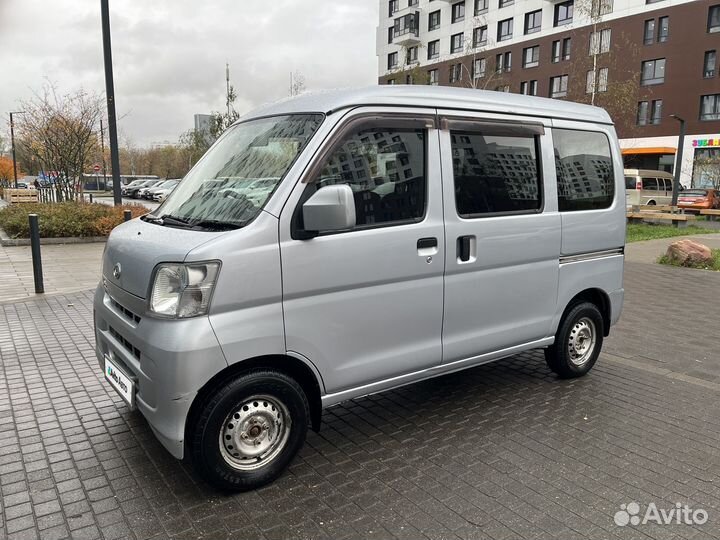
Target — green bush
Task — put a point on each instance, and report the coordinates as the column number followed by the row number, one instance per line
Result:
column 58, row 220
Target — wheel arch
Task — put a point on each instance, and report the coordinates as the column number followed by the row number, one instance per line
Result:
column 595, row 296
column 289, row 365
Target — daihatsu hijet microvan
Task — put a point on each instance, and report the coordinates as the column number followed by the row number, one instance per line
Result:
column 345, row 243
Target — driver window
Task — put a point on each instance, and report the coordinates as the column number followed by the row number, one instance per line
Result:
column 385, row 168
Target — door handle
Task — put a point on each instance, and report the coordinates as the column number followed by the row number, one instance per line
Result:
column 427, row 243
column 463, row 248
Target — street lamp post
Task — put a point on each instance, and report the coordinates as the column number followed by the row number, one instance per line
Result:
column 678, row 159
column 110, row 94
column 12, row 143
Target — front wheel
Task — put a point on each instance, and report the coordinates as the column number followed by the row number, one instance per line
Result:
column 248, row 431
column 578, row 341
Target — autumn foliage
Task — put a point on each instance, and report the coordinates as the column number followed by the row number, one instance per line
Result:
column 6, row 170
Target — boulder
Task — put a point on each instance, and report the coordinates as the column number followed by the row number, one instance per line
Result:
column 689, row 253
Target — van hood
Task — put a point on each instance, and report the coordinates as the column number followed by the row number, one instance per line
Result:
column 135, row 248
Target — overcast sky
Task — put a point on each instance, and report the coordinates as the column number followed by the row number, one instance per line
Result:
column 170, row 55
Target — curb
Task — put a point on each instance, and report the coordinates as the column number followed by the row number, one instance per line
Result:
column 6, row 241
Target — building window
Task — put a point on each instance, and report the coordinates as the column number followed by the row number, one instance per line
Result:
column 495, row 172
column 590, row 82
column 479, row 66
column 392, row 60
column 663, row 29
column 505, row 30
column 393, row 6
column 602, row 80
column 391, row 82
column 456, row 43
column 458, row 12
column 558, row 86
column 412, row 3
column 481, row 6
column 600, row 42
column 434, row 20
column 563, row 13
column 529, row 88
column 505, row 3
column 409, row 79
column 480, row 36
column 600, row 8
column 649, row 37
column 503, row 88
column 433, row 49
column 533, row 21
column 531, row 56
column 709, row 65
column 391, row 34
column 433, row 78
column 710, row 107
column 714, row 19
column 560, row 50
column 455, row 73
column 656, row 111
column 407, row 24
column 584, row 169
column 642, row 113
column 503, row 62
column 652, row 72
column 411, row 56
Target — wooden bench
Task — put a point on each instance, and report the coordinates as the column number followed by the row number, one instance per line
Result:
column 21, row 195
column 678, row 220
column 658, row 208
column 712, row 215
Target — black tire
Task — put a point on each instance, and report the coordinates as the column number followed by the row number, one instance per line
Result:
column 579, row 321
column 211, row 423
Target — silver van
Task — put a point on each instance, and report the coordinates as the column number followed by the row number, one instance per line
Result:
column 341, row 244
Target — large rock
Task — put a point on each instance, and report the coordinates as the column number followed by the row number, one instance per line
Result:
column 689, row 253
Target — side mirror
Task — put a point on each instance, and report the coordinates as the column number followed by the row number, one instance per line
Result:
column 331, row 208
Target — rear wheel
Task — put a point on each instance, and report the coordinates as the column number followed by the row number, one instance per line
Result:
column 651, row 203
column 578, row 341
column 248, row 431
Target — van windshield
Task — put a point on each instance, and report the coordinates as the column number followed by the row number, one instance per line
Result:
column 231, row 183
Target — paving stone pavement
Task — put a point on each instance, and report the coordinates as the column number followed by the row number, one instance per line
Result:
column 502, row 451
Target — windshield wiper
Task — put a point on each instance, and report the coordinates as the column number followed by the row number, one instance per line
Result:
column 216, row 225
column 210, row 224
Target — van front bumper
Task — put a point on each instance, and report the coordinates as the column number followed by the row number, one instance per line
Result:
column 169, row 361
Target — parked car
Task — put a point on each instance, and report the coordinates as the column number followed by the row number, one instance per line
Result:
column 150, row 193
column 694, row 200
column 231, row 322
column 141, row 193
column 134, row 192
column 159, row 195
column 645, row 187
column 132, row 185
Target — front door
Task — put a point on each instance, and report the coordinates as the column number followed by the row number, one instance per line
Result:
column 502, row 235
column 365, row 305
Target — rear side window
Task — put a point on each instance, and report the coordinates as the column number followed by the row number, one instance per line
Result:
column 584, row 170
column 630, row 182
column 495, row 173
column 385, row 168
column 650, row 184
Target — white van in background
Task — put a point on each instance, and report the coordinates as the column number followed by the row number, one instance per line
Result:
column 645, row 187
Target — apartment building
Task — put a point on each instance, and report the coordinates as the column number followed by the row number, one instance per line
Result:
column 646, row 61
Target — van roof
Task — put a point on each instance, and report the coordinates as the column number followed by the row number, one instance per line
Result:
column 648, row 172
column 443, row 97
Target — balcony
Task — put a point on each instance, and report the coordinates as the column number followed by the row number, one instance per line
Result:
column 406, row 32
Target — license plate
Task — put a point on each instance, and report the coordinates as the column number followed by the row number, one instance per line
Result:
column 120, row 382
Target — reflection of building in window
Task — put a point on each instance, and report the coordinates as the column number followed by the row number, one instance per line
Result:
column 516, row 166
column 584, row 176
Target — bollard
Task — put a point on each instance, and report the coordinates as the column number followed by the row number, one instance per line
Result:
column 91, row 198
column 128, row 215
column 35, row 249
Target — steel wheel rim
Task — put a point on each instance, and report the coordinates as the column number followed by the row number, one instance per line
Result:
column 255, row 433
column 581, row 343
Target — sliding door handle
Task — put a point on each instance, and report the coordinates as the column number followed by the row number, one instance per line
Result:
column 464, row 248
column 427, row 243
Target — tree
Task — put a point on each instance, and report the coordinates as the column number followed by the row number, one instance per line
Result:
column 6, row 171
column 193, row 144
column 221, row 121
column 59, row 131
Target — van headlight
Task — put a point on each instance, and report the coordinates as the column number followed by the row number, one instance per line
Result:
column 183, row 290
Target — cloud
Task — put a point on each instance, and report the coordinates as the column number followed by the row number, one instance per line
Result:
column 169, row 55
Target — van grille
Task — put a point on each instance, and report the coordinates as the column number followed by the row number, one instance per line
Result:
column 125, row 343
column 129, row 315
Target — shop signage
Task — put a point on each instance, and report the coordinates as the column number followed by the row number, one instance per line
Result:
column 705, row 142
